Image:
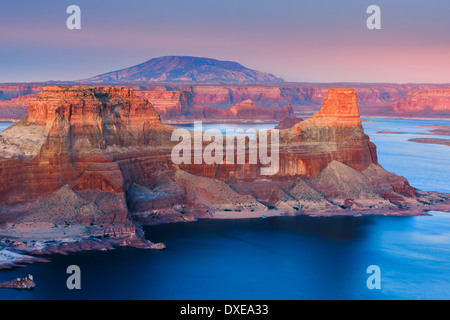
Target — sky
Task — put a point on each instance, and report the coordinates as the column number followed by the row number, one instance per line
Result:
column 298, row 40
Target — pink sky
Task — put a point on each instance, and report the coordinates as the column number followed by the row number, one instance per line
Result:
column 308, row 41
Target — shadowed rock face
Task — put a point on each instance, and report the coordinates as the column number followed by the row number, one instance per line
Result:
column 334, row 133
column 183, row 102
column 99, row 155
column 338, row 124
column 73, row 127
column 94, row 117
column 65, row 149
column 178, row 106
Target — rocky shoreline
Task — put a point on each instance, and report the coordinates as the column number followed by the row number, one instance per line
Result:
column 445, row 142
column 16, row 253
column 90, row 165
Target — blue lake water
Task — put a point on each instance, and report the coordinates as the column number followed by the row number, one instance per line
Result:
column 426, row 166
column 280, row 257
column 4, row 125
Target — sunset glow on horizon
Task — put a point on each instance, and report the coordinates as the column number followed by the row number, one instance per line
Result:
column 300, row 41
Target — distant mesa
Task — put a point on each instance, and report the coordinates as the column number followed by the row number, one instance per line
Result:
column 339, row 109
column 431, row 101
column 177, row 106
column 185, row 69
column 245, row 111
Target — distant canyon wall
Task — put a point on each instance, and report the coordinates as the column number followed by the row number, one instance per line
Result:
column 427, row 102
column 190, row 102
column 277, row 96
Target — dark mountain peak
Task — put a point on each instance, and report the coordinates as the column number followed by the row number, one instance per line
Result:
column 186, row 69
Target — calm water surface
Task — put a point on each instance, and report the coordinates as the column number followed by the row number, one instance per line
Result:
column 280, row 257
column 4, row 125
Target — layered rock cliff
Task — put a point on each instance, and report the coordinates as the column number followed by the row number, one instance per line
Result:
column 178, row 106
column 90, row 161
column 58, row 164
column 426, row 102
column 334, row 133
column 372, row 97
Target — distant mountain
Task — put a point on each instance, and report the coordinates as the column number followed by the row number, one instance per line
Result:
column 182, row 69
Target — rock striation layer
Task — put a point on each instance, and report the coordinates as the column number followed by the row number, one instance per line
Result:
column 90, row 162
column 431, row 102
column 58, row 164
column 172, row 100
column 178, row 106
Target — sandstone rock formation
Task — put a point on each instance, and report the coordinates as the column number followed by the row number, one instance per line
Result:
column 16, row 108
column 247, row 109
column 307, row 148
column 179, row 106
column 91, row 161
column 58, row 164
column 175, row 99
column 430, row 102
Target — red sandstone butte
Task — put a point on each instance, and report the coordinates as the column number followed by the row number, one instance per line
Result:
column 64, row 152
column 92, row 160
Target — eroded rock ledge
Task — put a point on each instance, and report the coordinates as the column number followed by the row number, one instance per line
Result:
column 24, row 283
column 90, row 165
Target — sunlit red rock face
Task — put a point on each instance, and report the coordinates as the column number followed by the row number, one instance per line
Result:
column 101, row 155
column 431, row 102
column 333, row 133
column 305, row 99
column 247, row 109
column 276, row 96
column 70, row 140
column 89, row 162
column 14, row 90
column 71, row 122
column 173, row 104
column 338, row 124
column 325, row 162
column 178, row 106
column 339, row 109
